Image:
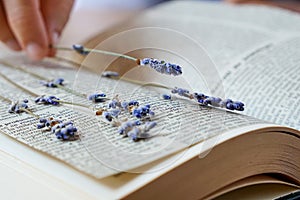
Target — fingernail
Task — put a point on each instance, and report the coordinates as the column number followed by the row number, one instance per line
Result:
column 35, row 51
column 55, row 38
column 13, row 44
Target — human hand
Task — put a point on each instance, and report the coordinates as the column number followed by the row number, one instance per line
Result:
column 32, row 25
column 293, row 5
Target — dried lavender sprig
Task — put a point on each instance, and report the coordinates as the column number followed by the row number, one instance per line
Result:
column 16, row 107
column 63, row 130
column 137, row 133
column 53, row 83
column 52, row 100
column 127, row 126
column 207, row 100
column 160, row 66
column 19, row 107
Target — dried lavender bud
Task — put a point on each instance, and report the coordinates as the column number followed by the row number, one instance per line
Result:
column 16, row 107
column 166, row 96
column 142, row 112
column 110, row 74
column 52, row 100
column 107, row 116
column 133, row 103
column 97, row 97
column 133, row 134
column 127, row 126
column 80, row 49
column 53, row 83
column 149, row 126
column 162, row 66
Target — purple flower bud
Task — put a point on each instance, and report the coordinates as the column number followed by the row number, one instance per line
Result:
column 47, row 100
column 53, row 83
column 133, row 134
column 17, row 107
column 107, row 116
column 150, row 125
column 161, row 66
column 80, row 49
column 97, row 98
column 125, row 105
column 110, row 74
column 133, row 103
column 166, row 96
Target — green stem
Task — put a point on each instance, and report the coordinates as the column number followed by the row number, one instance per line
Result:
column 142, row 83
column 73, row 104
column 70, row 90
column 5, row 99
column 98, row 51
column 18, row 86
column 42, row 78
column 22, row 69
column 29, row 112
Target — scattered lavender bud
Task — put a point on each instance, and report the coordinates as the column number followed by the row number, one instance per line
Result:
column 107, row 116
column 166, row 96
column 115, row 112
column 126, row 126
column 53, row 83
column 97, row 97
column 133, row 134
column 114, row 104
column 42, row 120
column 162, row 66
column 149, row 126
column 238, row 106
column 125, row 105
column 47, row 100
column 110, row 74
column 142, row 112
column 215, row 101
column 40, row 125
column 230, row 106
column 17, row 107
column 182, row 92
column 133, row 103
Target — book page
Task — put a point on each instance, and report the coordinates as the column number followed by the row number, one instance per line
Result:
column 268, row 80
column 254, row 50
column 101, row 151
column 259, row 58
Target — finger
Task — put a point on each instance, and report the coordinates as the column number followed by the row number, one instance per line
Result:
column 6, row 36
column 26, row 22
column 56, row 14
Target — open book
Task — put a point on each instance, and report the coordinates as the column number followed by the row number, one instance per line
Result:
column 246, row 53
